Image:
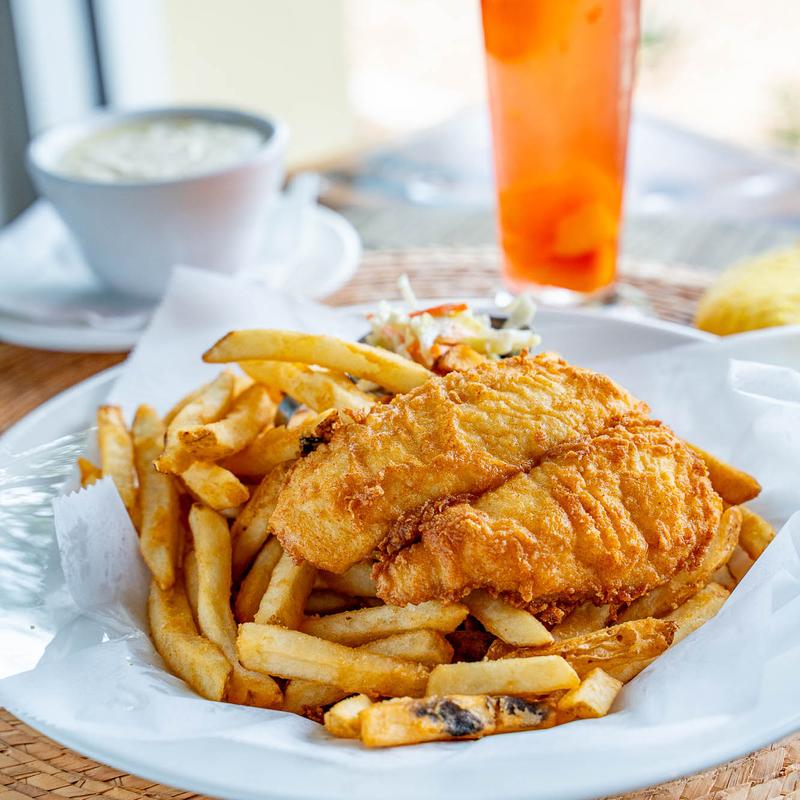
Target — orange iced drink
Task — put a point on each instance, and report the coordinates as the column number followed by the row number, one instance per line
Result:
column 560, row 75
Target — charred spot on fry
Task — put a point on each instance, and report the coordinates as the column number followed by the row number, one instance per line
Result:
column 457, row 721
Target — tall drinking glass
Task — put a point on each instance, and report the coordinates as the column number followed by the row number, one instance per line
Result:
column 560, row 78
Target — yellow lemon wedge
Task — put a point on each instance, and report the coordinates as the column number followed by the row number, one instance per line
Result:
column 760, row 293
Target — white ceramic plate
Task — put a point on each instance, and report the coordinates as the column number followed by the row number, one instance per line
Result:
column 245, row 770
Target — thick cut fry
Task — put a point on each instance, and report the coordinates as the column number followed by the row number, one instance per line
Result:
column 367, row 624
column 593, row 698
column 733, row 485
column 343, row 719
column 308, row 698
column 756, row 533
column 622, row 651
column 519, row 676
column 586, row 618
column 251, row 528
column 432, row 719
column 257, row 580
column 208, row 405
column 356, row 581
column 212, row 545
column 319, row 389
column 116, row 456
column 387, row 369
column 739, row 564
column 326, row 601
column 248, row 414
column 90, row 473
column 188, row 655
column 512, row 625
column 697, row 610
column 286, row 595
column 214, row 486
column 291, row 654
column 682, row 586
column 161, row 536
column 275, row 446
column 192, row 581
column 425, row 647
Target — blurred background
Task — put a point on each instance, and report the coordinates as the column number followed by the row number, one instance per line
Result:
column 388, row 100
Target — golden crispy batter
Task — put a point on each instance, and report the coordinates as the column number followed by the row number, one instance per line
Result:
column 604, row 520
column 464, row 433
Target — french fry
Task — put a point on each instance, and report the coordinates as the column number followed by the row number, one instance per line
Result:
column 409, row 721
column 299, row 417
column 291, row 654
column 116, row 457
column 243, row 382
column 188, row 655
column 192, row 581
column 733, row 485
column 739, row 564
column 518, row 676
column 756, row 533
column 697, row 610
column 343, row 719
column 512, row 625
column 248, row 414
column 367, row 624
column 586, row 618
column 214, row 486
column 257, row 580
column 212, row 545
column 90, row 473
column 308, row 698
column 424, row 647
column 593, row 698
column 161, row 536
column 326, row 601
column 199, row 408
column 356, row 581
column 682, row 586
column 240, row 383
column 251, row 527
column 622, row 651
column 387, row 369
column 286, row 595
column 275, row 446
column 319, row 389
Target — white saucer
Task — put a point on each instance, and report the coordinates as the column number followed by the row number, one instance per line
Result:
column 50, row 300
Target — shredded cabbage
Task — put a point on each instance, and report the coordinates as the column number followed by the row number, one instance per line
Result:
column 424, row 335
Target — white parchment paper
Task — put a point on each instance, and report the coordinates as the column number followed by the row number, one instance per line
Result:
column 100, row 677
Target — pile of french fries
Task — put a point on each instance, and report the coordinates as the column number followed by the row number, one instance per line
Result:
column 238, row 620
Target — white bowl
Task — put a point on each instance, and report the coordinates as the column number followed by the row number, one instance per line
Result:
column 133, row 233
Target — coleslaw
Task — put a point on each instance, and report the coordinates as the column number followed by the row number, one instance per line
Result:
column 426, row 334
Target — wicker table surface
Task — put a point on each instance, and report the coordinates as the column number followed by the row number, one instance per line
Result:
column 33, row 766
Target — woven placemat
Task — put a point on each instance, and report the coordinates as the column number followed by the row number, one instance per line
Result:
column 31, row 765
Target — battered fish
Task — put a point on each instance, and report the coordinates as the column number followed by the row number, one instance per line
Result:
column 602, row 520
column 458, row 435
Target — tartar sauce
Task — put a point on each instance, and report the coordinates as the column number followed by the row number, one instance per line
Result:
column 160, row 148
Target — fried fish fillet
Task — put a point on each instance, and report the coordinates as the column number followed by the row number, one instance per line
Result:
column 603, row 520
column 461, row 434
